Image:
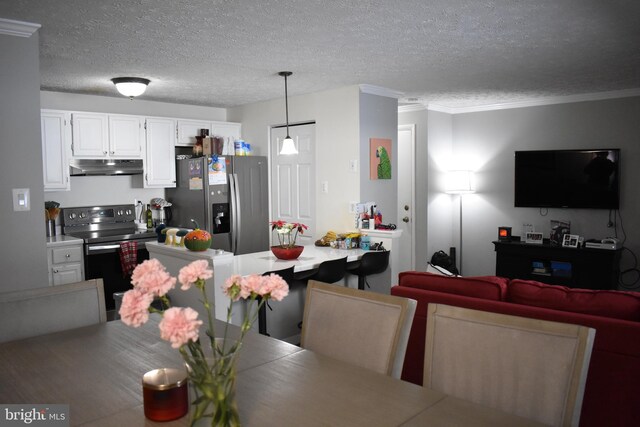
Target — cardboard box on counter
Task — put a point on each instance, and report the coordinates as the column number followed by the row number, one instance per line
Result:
column 207, row 146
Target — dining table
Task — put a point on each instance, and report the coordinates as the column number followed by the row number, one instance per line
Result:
column 97, row 371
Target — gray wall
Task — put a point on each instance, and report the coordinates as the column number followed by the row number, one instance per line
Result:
column 23, row 258
column 379, row 119
column 487, row 141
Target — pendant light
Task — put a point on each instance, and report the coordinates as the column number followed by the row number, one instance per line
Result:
column 288, row 146
column 130, row 86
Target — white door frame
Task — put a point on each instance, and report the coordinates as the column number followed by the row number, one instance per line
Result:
column 412, row 173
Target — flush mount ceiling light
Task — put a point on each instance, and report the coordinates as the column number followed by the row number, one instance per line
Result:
column 130, row 86
column 288, row 146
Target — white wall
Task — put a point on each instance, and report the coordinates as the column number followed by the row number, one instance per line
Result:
column 336, row 114
column 92, row 190
column 122, row 105
column 486, row 142
column 23, row 257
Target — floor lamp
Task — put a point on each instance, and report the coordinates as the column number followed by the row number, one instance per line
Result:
column 460, row 182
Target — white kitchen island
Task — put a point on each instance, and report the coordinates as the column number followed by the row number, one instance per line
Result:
column 283, row 316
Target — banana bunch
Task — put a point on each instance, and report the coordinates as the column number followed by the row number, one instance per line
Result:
column 326, row 240
column 350, row 236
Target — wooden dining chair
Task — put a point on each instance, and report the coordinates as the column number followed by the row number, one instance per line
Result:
column 366, row 329
column 532, row 368
column 32, row 312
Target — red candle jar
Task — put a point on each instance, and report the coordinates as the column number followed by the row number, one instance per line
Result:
column 165, row 394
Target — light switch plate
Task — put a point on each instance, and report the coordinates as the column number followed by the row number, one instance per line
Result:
column 21, row 199
column 324, row 186
column 353, row 165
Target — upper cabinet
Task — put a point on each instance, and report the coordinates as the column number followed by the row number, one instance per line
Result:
column 228, row 131
column 90, row 135
column 126, row 136
column 189, row 129
column 55, row 128
column 107, row 135
column 160, row 165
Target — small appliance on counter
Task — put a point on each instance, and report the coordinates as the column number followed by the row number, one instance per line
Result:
column 160, row 211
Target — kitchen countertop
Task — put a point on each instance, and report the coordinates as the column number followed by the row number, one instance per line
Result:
column 311, row 257
column 62, row 240
column 184, row 253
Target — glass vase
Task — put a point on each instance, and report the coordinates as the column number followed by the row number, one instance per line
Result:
column 212, row 389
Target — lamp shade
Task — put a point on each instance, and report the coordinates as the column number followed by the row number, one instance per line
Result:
column 130, row 86
column 460, row 182
column 288, row 146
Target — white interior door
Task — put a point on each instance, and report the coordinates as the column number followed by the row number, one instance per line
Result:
column 406, row 196
column 293, row 196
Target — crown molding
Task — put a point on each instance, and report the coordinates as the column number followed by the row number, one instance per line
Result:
column 411, row 107
column 596, row 96
column 17, row 28
column 380, row 91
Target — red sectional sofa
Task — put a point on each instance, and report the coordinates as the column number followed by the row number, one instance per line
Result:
column 612, row 393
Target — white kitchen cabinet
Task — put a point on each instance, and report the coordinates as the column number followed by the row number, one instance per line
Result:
column 189, row 129
column 230, row 133
column 126, row 136
column 90, row 135
column 107, row 136
column 55, row 129
column 160, row 163
column 65, row 259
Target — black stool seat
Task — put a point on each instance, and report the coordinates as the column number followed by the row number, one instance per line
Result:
column 287, row 276
column 373, row 262
column 328, row 272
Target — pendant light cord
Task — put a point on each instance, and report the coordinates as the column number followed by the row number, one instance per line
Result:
column 286, row 103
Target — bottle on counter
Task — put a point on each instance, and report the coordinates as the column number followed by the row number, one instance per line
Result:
column 149, row 217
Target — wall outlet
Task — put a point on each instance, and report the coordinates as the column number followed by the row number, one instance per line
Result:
column 353, row 165
column 324, row 186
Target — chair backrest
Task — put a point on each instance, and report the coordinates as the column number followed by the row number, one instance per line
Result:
column 374, row 262
column 367, row 329
column 285, row 273
column 532, row 368
column 32, row 312
column 331, row 271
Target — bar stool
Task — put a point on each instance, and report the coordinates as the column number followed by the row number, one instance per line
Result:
column 328, row 272
column 287, row 276
column 373, row 262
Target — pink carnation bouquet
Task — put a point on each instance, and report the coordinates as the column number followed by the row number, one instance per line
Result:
column 210, row 376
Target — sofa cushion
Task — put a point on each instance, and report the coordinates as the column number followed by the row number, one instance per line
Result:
column 485, row 287
column 614, row 304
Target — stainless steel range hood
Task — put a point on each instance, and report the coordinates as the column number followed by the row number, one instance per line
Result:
column 95, row 167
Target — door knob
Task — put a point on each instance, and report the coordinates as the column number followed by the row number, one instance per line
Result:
column 406, row 207
column 405, row 219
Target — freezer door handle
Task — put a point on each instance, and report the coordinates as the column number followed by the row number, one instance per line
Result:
column 238, row 213
column 234, row 214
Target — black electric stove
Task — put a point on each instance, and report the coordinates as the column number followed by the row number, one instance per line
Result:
column 103, row 229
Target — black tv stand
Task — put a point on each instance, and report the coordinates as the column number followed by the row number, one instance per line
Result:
column 587, row 268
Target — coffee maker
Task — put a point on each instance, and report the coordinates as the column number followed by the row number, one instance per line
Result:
column 160, row 211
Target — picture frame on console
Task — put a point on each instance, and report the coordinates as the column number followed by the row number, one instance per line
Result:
column 533, row 237
column 570, row 241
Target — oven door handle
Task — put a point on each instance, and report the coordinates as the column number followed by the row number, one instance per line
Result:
column 102, row 247
column 113, row 247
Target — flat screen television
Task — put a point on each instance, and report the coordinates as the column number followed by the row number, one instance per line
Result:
column 568, row 178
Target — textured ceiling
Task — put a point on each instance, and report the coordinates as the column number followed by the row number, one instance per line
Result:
column 227, row 52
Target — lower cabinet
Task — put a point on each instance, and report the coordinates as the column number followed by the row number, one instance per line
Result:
column 66, row 264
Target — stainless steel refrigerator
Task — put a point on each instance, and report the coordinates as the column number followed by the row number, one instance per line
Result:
column 227, row 196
